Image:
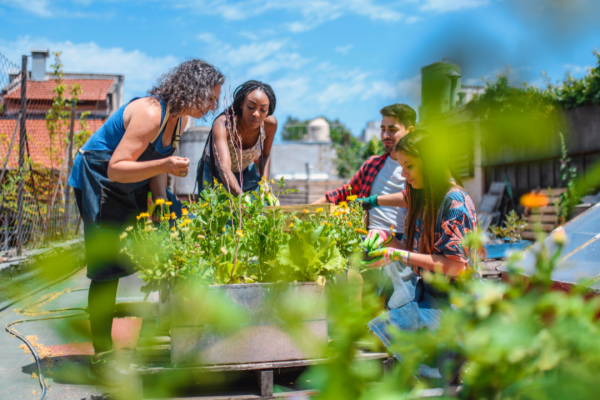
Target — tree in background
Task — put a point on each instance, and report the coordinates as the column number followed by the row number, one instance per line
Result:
column 351, row 152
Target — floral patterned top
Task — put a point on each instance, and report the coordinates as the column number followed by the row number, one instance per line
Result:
column 455, row 220
column 248, row 155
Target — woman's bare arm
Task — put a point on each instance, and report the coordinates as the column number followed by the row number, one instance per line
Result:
column 270, row 130
column 158, row 186
column 437, row 263
column 222, row 159
column 143, row 122
column 393, row 200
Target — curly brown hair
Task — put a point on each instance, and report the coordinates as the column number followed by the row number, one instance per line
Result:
column 189, row 85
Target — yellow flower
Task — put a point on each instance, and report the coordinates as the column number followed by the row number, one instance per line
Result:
column 357, row 230
column 319, row 210
column 323, row 223
column 291, row 225
column 272, row 180
column 129, row 228
column 173, row 228
column 352, row 198
column 184, row 211
column 392, row 228
column 147, row 229
column 534, row 200
column 343, row 204
column 169, row 203
column 187, row 221
column 123, row 236
column 215, row 181
column 223, row 229
column 240, row 233
column 138, row 217
column 160, row 202
column 349, row 223
column 337, row 214
column 305, row 211
column 173, row 215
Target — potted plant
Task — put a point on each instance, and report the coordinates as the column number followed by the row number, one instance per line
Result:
column 507, row 237
column 235, row 256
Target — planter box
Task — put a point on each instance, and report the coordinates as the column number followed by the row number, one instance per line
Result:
column 501, row 250
column 261, row 337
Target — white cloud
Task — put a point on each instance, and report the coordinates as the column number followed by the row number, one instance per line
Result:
column 344, row 49
column 577, row 69
column 39, row 8
column 141, row 70
column 442, row 6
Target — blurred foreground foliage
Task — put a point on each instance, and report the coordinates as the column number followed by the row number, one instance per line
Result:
column 520, row 340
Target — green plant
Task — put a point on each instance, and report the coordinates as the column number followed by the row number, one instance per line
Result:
column 568, row 175
column 240, row 240
column 512, row 228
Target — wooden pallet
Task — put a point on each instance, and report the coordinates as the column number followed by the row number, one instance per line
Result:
column 544, row 217
column 152, row 359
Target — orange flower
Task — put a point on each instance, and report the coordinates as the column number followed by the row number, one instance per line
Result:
column 361, row 231
column 534, row 200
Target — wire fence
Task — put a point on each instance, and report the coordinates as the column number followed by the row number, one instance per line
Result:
column 36, row 206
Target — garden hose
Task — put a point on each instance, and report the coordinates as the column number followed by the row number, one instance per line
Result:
column 28, row 343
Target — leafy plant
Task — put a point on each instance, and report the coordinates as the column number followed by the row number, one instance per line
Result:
column 217, row 242
column 568, row 175
column 512, row 228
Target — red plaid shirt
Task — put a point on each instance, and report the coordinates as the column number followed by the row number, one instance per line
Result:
column 361, row 182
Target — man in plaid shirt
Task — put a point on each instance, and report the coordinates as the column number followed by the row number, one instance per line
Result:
column 381, row 174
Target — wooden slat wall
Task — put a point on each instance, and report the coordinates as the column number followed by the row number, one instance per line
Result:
column 546, row 217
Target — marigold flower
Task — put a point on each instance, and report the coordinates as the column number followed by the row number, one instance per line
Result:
column 138, row 217
column 357, row 230
column 352, row 198
column 534, row 200
column 187, row 221
column 323, row 223
column 319, row 210
column 123, row 236
column 349, row 223
column 392, row 228
column 160, row 202
column 169, row 203
column 343, row 204
column 240, row 233
column 223, row 229
column 337, row 213
column 305, row 211
column 173, row 215
column 184, row 211
column 291, row 225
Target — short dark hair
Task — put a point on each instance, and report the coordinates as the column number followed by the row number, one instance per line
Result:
column 402, row 112
column 240, row 93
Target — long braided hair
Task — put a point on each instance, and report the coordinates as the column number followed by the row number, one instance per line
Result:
column 240, row 93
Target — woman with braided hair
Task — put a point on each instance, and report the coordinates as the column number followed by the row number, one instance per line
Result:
column 238, row 149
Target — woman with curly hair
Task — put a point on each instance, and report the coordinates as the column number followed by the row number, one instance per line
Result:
column 241, row 135
column 130, row 155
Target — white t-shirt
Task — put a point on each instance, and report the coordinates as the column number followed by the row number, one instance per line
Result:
column 387, row 181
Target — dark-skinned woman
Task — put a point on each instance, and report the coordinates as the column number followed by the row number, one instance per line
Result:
column 239, row 160
column 130, row 155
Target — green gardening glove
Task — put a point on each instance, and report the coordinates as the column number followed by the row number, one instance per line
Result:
column 369, row 202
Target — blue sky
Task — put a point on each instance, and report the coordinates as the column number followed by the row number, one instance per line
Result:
column 339, row 59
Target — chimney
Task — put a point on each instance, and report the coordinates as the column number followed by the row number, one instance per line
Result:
column 38, row 64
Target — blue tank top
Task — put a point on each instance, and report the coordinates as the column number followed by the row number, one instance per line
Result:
column 109, row 135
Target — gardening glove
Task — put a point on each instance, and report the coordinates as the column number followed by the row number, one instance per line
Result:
column 385, row 257
column 369, row 202
column 375, row 238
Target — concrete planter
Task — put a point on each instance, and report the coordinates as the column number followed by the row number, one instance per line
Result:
column 261, row 335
